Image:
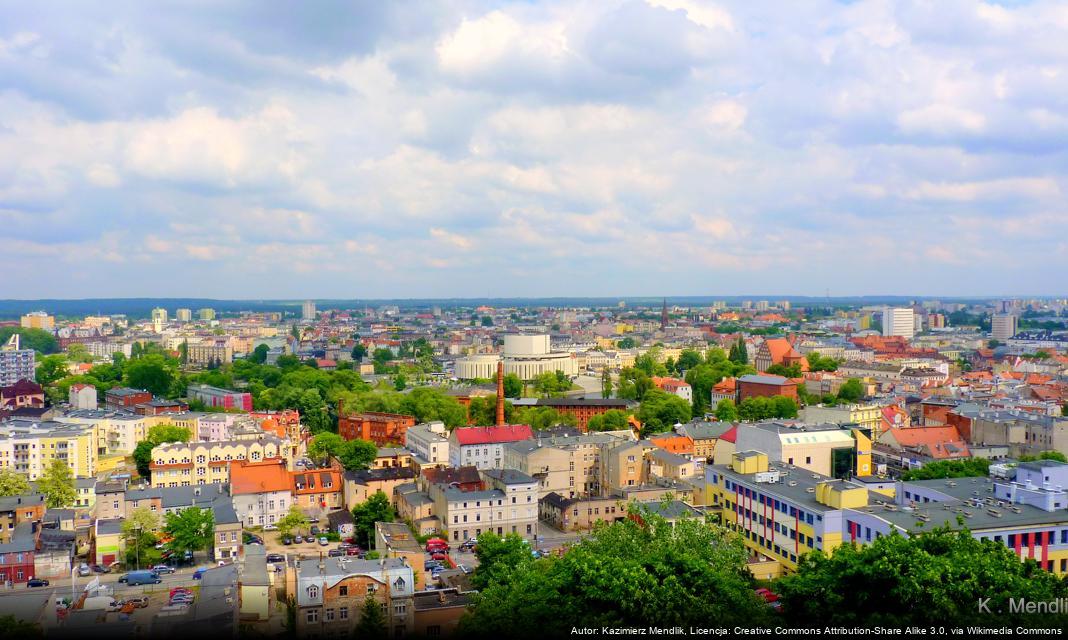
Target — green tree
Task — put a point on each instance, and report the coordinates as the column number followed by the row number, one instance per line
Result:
column 400, row 382
column 541, row 418
column 259, row 354
column 633, row 384
column 688, row 359
column 12, row 483
column 323, row 445
column 634, row 573
column 372, row 623
column 660, row 411
column 606, row 383
column 792, row 371
column 356, row 455
column 151, row 373
column 51, row 368
column 1045, row 455
column 358, row 352
column 513, row 386
column 157, row 435
column 649, row 363
column 726, row 411
column 12, row 628
column 739, row 353
column 487, row 321
column 376, row 508
column 191, row 529
column 851, row 391
column 611, row 420
column 139, row 532
column 78, row 352
column 816, row 362
column 626, row 343
column 934, row 578
column 293, row 520
column 57, row 485
column 499, row 556
column 552, row 384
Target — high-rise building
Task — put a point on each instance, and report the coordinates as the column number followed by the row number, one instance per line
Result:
column 16, row 363
column 899, row 321
column 1003, row 326
column 784, row 305
column 38, row 320
column 159, row 319
column 183, row 315
column 206, row 313
column 762, row 305
column 309, row 310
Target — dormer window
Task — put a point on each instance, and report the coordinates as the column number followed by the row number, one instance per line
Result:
column 313, row 592
column 399, row 583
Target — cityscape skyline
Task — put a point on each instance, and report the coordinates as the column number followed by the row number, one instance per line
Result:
column 492, row 149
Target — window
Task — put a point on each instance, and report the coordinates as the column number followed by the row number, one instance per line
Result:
column 343, row 590
column 343, row 612
column 372, row 587
column 313, row 591
column 329, row 617
column 313, row 616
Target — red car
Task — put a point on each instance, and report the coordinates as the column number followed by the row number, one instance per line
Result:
column 180, row 590
column 439, row 556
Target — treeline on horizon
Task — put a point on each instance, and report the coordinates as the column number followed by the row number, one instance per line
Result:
column 142, row 307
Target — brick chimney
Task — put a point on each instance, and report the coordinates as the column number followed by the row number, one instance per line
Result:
column 500, row 393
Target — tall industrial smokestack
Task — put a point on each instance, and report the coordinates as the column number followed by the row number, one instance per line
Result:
column 500, row 393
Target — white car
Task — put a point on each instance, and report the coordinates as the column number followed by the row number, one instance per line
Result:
column 270, row 527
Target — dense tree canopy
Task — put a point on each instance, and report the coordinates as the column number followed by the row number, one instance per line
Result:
column 157, row 435
column 39, row 340
column 726, row 411
column 540, row 418
column 703, row 377
column 624, row 574
column 57, row 485
column 967, row 468
column 611, row 420
column 937, row 578
column 851, row 391
column 513, row 386
column 12, row 483
column 761, row 408
column 660, row 411
column 191, row 529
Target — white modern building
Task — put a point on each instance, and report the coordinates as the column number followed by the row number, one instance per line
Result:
column 429, row 442
column 527, row 356
column 308, row 311
column 16, row 363
column 159, row 319
column 1003, row 326
column 899, row 321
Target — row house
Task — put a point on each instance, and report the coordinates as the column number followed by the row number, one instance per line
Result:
column 189, row 463
column 483, row 447
column 330, row 595
column 319, row 491
column 262, row 491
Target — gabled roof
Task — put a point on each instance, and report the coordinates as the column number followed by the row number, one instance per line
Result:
column 730, row 435
column 937, row 442
column 492, row 435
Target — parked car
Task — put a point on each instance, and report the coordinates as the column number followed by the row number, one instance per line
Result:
column 161, row 569
column 140, row 577
column 275, row 557
column 431, row 564
column 36, row 582
column 439, row 556
column 178, row 590
column 99, row 569
column 353, row 551
column 252, row 539
column 314, row 530
column 140, row 601
column 286, row 540
column 469, row 545
column 323, row 542
column 84, row 570
column 336, row 553
column 464, row 568
column 199, row 573
column 297, row 539
column 270, row 527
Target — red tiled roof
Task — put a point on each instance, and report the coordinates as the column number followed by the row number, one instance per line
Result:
column 258, row 477
column 493, row 435
column 937, row 442
column 730, row 435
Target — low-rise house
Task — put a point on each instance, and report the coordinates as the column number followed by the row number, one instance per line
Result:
column 262, row 492
column 392, row 457
column 704, row 436
column 107, row 545
column 361, row 485
column 15, row 510
column 673, row 442
column 580, row 514
column 483, row 447
column 255, row 585
column 438, row 612
column 661, row 463
column 396, row 540
column 341, row 521
column 318, row 491
column 429, row 444
column 181, row 464
column 17, row 554
column 380, row 428
column 330, row 593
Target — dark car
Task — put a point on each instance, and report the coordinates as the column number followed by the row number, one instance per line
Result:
column 431, row 564
column 314, row 530
column 286, row 540
column 335, row 553
column 275, row 557
column 99, row 569
column 36, row 582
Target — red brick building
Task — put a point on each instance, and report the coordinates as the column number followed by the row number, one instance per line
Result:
column 16, row 556
column 582, row 408
column 379, row 428
column 752, row 386
column 125, row 398
column 158, row 407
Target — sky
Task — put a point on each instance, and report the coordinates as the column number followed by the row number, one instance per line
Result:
column 467, row 149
